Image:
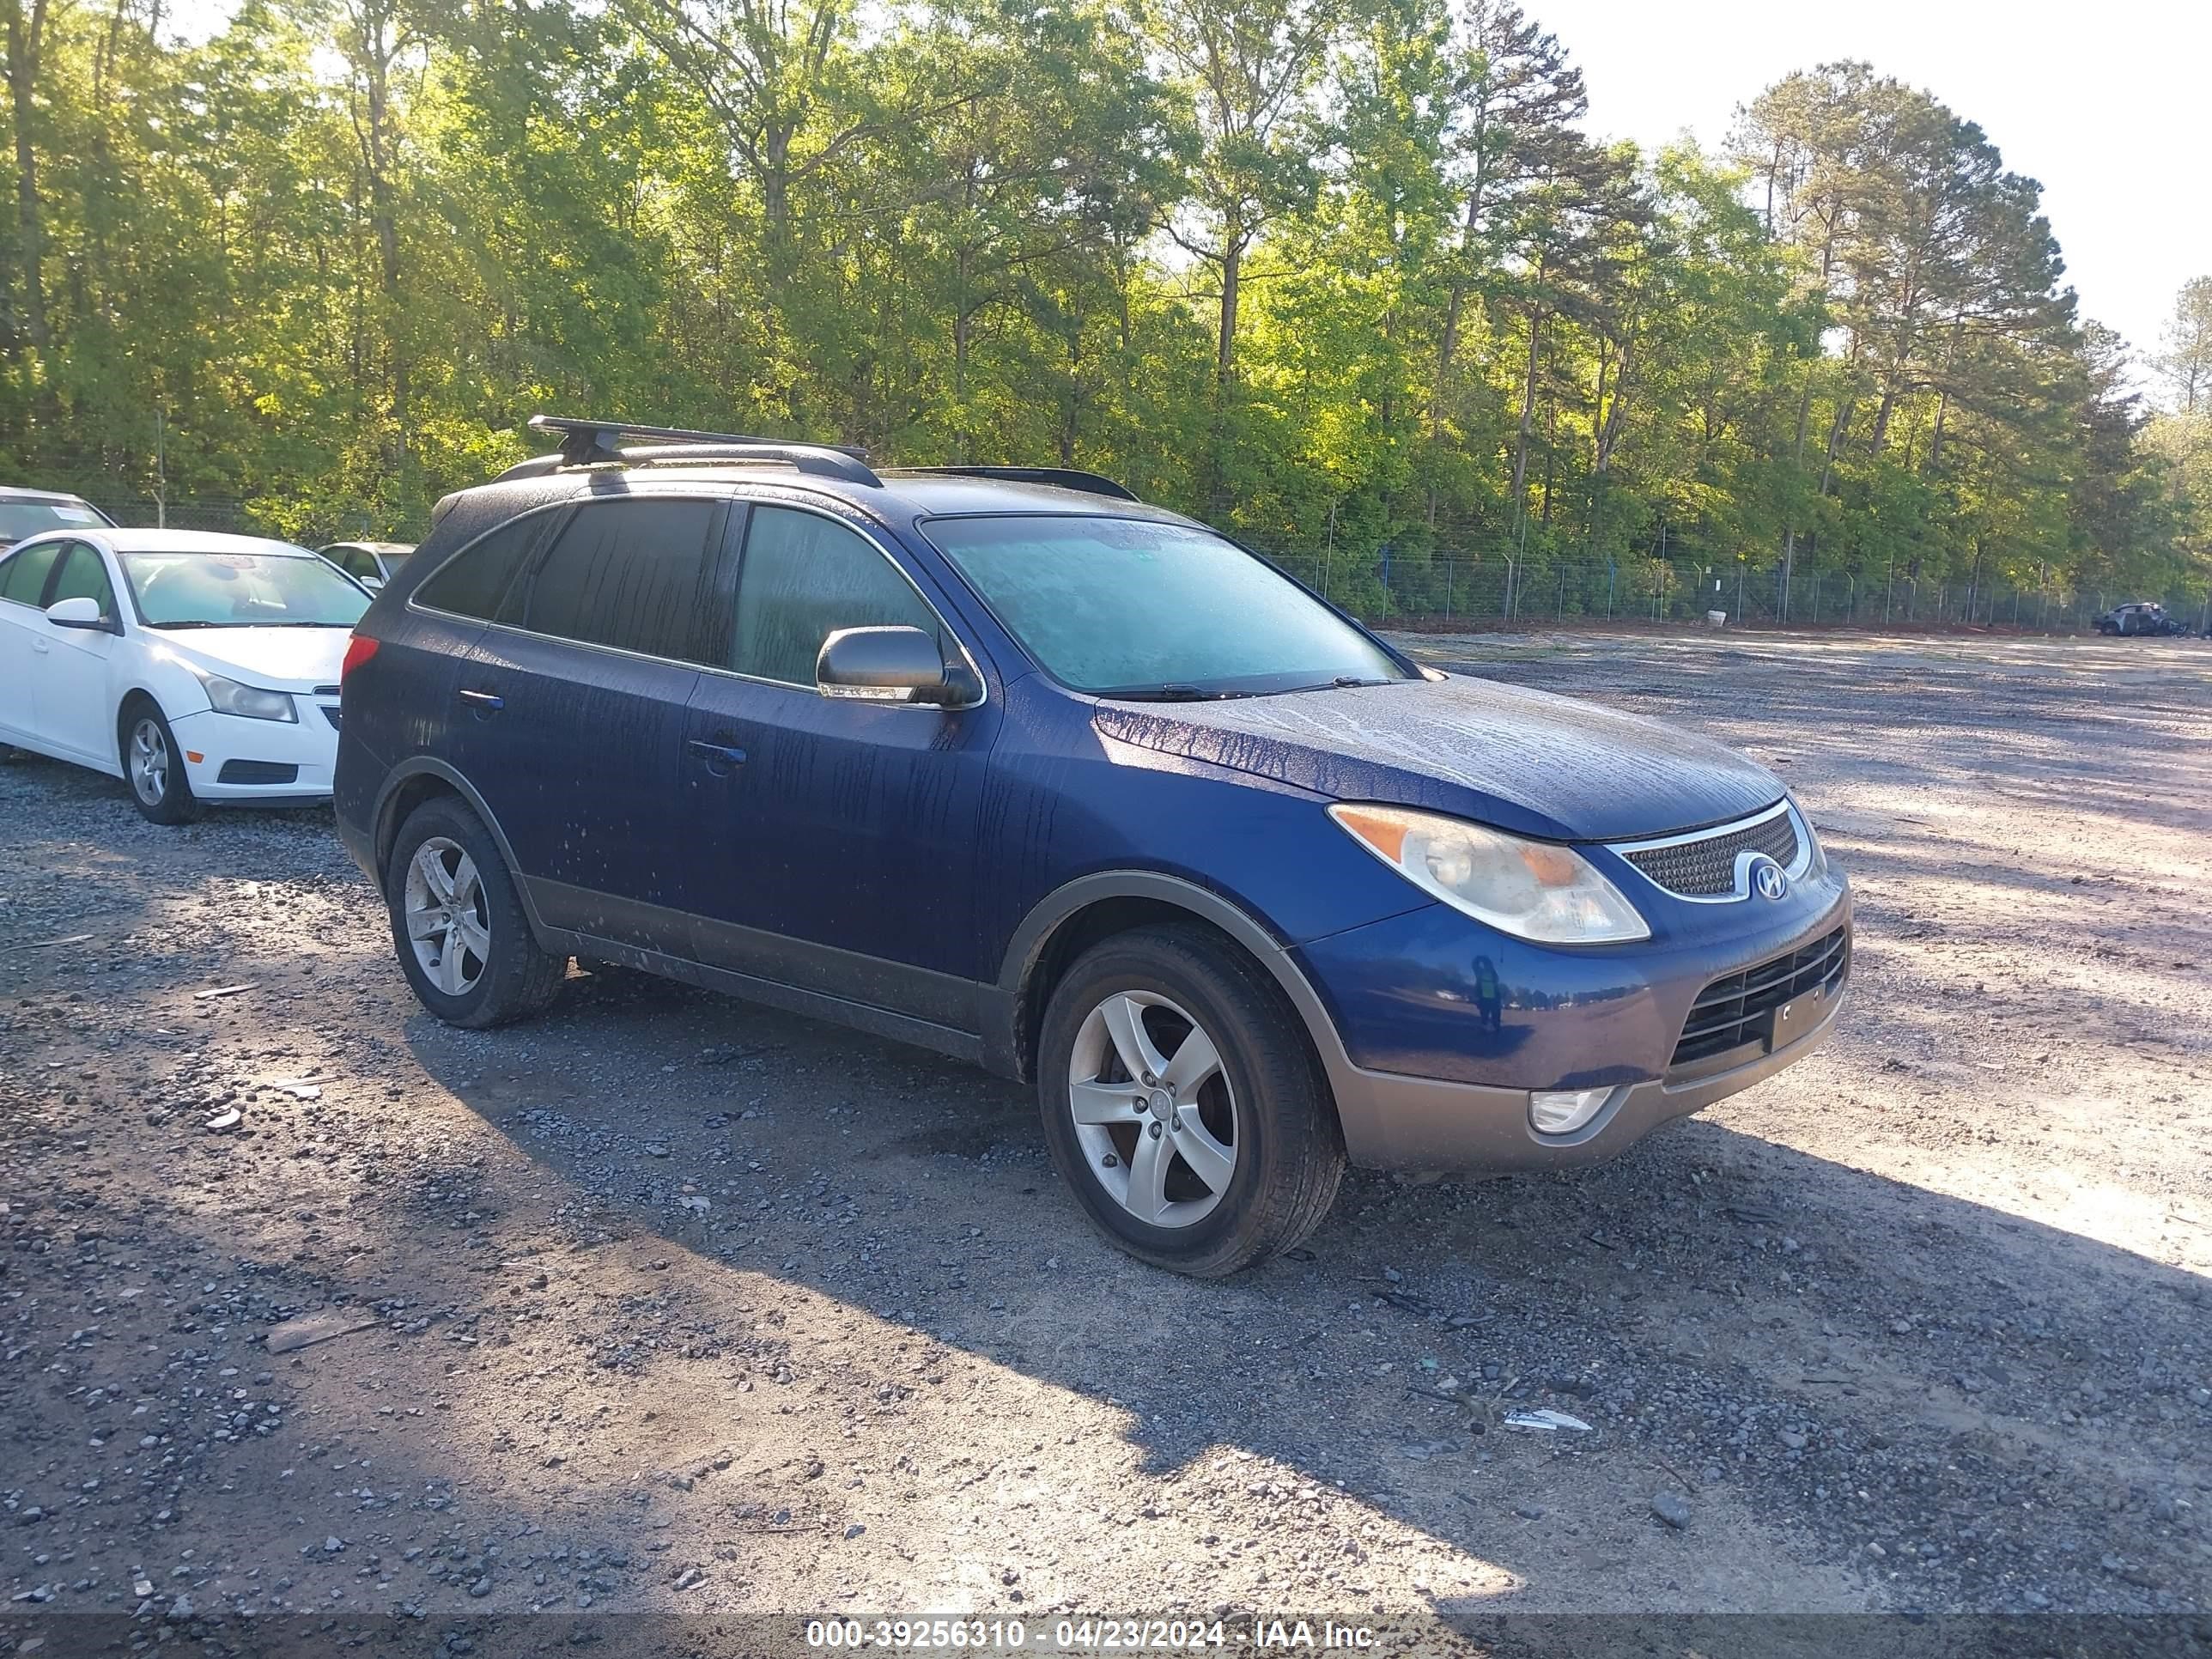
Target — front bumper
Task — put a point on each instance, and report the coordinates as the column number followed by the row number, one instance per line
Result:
column 1432, row 1068
column 1396, row 1123
column 308, row 746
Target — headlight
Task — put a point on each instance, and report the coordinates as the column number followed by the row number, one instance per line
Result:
column 229, row 697
column 1530, row 889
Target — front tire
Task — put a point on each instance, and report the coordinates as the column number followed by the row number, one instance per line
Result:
column 1183, row 1104
column 153, row 767
column 458, row 923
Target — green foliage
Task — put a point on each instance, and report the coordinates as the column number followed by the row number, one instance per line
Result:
column 1345, row 276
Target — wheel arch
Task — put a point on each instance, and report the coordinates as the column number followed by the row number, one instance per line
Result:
column 1069, row 920
column 131, row 698
column 424, row 778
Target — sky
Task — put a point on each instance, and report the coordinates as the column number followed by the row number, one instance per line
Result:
column 2108, row 106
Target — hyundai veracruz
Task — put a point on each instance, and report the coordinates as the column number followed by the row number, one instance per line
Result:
column 1008, row 763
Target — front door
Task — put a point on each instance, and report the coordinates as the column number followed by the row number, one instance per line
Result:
column 571, row 715
column 74, row 711
column 836, row 837
column 24, row 645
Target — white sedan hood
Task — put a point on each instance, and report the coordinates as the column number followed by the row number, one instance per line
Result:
column 274, row 658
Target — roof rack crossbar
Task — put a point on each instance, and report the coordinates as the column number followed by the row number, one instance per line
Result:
column 1090, row 484
column 586, row 442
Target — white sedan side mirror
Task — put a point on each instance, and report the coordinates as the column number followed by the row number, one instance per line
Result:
column 79, row 612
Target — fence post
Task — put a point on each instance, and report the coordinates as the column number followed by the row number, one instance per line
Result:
column 1739, row 594
column 1559, row 610
column 1448, row 575
column 1505, row 599
column 1612, row 576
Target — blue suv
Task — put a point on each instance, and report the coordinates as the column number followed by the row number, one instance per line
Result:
column 1005, row 763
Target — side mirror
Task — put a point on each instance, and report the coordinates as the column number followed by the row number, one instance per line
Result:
column 80, row 612
column 893, row 665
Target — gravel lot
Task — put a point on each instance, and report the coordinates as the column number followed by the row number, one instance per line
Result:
column 670, row 1303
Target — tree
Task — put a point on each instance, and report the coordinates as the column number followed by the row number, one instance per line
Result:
column 2185, row 363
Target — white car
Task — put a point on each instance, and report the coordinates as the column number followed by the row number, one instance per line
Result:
column 370, row 563
column 198, row 668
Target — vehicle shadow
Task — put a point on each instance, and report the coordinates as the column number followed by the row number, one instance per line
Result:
column 1771, row 1332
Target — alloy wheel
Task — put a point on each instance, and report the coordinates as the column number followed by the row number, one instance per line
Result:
column 447, row 923
column 1153, row 1109
column 149, row 762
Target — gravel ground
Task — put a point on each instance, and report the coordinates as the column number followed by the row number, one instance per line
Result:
column 667, row 1304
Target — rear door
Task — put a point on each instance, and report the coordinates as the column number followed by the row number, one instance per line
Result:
column 572, row 706
column 836, row 836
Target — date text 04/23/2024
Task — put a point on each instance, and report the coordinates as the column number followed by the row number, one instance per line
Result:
column 1090, row 1635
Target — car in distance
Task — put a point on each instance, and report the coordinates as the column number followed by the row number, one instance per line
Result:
column 27, row 511
column 370, row 563
column 1008, row 763
column 198, row 668
column 2144, row 619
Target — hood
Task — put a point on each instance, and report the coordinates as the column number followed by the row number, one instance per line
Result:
column 274, row 659
column 1525, row 762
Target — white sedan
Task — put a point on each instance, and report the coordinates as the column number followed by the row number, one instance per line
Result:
column 198, row 668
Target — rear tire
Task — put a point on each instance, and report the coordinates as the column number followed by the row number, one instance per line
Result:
column 458, row 923
column 1203, row 1165
column 153, row 767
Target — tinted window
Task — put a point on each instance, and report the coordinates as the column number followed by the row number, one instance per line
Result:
column 631, row 575
column 25, row 577
column 355, row 562
column 803, row 579
column 84, row 577
column 473, row 584
column 1136, row 606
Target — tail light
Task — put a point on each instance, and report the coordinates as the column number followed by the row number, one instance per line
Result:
column 359, row 650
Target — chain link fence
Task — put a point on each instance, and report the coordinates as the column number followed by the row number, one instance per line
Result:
column 1504, row 591
column 1508, row 591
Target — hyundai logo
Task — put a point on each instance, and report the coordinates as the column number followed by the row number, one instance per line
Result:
column 1767, row 879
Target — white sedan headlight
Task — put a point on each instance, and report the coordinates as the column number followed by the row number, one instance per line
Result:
column 250, row 703
column 1533, row 890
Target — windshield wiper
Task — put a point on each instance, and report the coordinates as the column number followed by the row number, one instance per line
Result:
column 191, row 623
column 1172, row 692
column 1342, row 682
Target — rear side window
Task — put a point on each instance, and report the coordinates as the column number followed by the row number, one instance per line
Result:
column 24, row 577
column 472, row 583
column 85, row 577
column 804, row 577
column 633, row 574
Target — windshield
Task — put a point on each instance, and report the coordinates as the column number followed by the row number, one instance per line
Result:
column 1127, row 607
column 22, row 518
column 241, row 590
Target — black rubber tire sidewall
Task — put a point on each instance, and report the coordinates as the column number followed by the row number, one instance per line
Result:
column 520, row 978
column 1289, row 1150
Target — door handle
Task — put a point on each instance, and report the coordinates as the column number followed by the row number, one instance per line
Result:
column 719, row 757
column 40, row 646
column 485, row 702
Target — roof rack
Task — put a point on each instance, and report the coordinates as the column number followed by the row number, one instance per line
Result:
column 1090, row 484
column 586, row 442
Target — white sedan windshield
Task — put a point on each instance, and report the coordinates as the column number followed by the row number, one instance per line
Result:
column 241, row 590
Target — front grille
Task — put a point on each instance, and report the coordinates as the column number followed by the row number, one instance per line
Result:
column 330, row 715
column 1733, row 1011
column 1705, row 868
column 243, row 771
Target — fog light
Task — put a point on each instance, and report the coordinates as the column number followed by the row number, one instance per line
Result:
column 1563, row 1111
